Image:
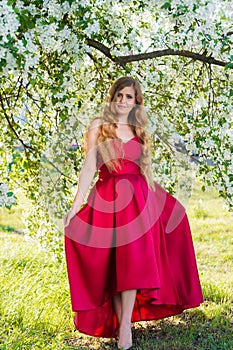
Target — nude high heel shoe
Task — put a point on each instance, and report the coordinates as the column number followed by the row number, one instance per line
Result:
column 128, row 345
column 124, row 347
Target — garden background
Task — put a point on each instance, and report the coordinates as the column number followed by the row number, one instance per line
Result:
column 57, row 61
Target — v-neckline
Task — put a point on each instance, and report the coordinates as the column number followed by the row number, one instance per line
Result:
column 127, row 140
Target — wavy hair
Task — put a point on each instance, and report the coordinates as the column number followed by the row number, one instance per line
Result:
column 109, row 145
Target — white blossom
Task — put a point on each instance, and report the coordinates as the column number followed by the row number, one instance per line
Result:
column 8, row 21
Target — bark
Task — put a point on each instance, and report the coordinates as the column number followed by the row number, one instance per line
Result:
column 154, row 54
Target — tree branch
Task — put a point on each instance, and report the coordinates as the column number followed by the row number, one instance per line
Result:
column 55, row 167
column 19, row 89
column 100, row 47
column 25, row 146
column 154, row 54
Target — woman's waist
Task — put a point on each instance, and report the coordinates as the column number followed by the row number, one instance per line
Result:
column 128, row 168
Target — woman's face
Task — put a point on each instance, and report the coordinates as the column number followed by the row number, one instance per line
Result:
column 125, row 100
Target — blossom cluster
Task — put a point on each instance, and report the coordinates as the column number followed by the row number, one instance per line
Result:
column 7, row 198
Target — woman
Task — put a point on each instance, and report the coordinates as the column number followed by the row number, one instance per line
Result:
column 129, row 249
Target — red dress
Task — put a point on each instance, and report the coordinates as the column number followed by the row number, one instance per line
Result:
column 129, row 237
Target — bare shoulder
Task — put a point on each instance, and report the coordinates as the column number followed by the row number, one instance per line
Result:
column 94, row 125
column 93, row 132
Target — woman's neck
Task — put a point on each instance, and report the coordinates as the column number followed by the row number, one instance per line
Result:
column 123, row 120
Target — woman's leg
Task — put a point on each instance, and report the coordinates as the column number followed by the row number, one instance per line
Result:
column 117, row 306
column 127, row 304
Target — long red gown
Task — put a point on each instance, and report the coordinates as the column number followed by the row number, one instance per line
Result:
column 129, row 237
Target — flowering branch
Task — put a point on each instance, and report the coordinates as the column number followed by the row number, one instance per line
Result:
column 25, row 146
column 154, row 54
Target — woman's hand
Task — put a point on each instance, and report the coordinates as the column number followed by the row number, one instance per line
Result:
column 69, row 216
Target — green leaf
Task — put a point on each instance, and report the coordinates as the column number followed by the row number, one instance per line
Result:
column 27, row 21
column 229, row 65
column 32, row 81
column 166, row 5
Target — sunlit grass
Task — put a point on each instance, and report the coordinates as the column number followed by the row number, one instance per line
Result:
column 34, row 296
column 35, row 311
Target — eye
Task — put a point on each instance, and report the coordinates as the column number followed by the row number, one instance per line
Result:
column 129, row 96
column 119, row 94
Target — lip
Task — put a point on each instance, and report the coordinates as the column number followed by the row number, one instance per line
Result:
column 121, row 106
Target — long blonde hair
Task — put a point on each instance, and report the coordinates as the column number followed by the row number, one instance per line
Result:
column 137, row 120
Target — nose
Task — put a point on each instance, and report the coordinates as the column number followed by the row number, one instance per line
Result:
column 123, row 99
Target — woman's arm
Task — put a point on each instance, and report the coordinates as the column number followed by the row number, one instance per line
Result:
column 87, row 172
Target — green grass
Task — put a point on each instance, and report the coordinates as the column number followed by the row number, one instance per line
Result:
column 35, row 311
